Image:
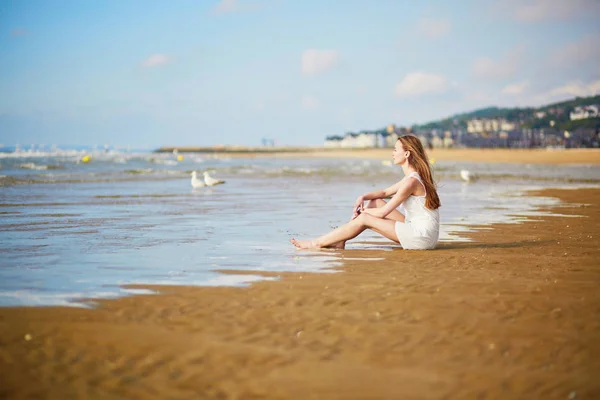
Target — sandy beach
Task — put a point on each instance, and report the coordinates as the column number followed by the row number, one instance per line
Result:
column 512, row 314
column 527, row 156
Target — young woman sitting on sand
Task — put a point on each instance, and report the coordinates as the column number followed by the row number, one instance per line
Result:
column 416, row 226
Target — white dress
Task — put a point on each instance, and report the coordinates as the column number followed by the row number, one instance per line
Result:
column 421, row 228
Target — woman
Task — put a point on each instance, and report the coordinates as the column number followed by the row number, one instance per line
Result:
column 416, row 226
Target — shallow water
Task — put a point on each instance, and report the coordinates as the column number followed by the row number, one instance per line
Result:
column 72, row 230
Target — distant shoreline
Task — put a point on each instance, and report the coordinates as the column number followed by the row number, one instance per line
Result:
column 527, row 156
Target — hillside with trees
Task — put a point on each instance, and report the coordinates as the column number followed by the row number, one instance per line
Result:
column 556, row 115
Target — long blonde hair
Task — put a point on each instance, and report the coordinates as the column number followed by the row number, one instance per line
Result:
column 418, row 159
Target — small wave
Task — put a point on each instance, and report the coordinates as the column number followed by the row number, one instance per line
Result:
column 164, row 162
column 137, row 196
column 289, row 171
column 7, row 180
column 34, row 166
column 524, row 177
column 41, row 153
column 139, row 171
column 128, row 176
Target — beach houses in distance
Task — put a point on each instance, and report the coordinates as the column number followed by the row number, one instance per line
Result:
column 585, row 112
column 366, row 139
column 360, row 140
column 481, row 125
column 387, row 138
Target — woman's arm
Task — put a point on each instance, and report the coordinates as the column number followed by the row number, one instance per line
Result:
column 404, row 189
column 359, row 204
column 378, row 194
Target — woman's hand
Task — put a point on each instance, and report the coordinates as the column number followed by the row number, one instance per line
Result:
column 358, row 207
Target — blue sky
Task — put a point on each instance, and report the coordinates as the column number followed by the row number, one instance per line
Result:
column 152, row 73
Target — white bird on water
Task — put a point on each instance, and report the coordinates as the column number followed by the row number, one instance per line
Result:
column 197, row 183
column 210, row 181
column 467, row 176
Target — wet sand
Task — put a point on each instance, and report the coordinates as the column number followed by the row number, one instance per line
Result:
column 513, row 314
column 527, row 156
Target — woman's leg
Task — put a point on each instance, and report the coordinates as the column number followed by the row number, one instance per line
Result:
column 378, row 203
column 383, row 226
column 371, row 204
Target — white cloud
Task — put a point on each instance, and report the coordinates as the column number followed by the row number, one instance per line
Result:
column 584, row 50
column 420, row 83
column 568, row 91
column 226, row 6
column 314, row 62
column 516, row 88
column 545, row 10
column 155, row 60
column 310, row 102
column 506, row 67
column 433, row 28
column 575, row 88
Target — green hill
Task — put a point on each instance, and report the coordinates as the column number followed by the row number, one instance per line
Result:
column 525, row 117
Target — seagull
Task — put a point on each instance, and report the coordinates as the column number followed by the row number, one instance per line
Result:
column 210, row 181
column 467, row 176
column 196, row 183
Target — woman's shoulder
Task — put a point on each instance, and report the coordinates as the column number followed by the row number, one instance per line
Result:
column 407, row 183
column 412, row 178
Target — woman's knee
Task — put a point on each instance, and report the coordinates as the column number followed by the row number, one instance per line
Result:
column 359, row 221
column 370, row 221
column 364, row 219
column 375, row 203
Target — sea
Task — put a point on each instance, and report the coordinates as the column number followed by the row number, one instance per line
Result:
column 72, row 232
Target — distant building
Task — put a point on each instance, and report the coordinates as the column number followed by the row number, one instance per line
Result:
column 363, row 139
column 489, row 125
column 505, row 125
column 584, row 112
column 436, row 142
column 333, row 141
column 557, row 111
column 390, row 140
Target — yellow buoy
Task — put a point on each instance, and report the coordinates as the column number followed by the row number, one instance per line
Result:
column 179, row 157
column 432, row 161
column 86, row 158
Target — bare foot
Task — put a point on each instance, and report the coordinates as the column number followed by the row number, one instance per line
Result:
column 304, row 244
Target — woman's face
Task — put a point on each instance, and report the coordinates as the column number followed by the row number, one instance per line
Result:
column 399, row 155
